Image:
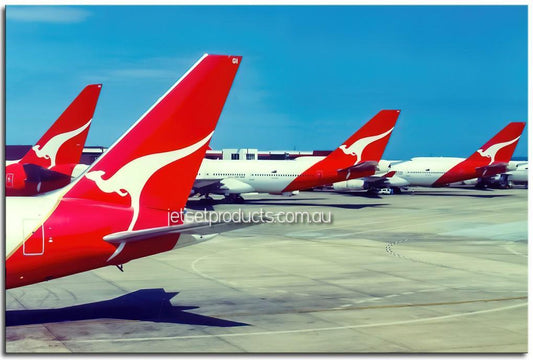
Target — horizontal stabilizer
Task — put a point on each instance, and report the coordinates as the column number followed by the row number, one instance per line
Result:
column 36, row 174
column 492, row 169
column 497, row 165
column 198, row 228
column 363, row 166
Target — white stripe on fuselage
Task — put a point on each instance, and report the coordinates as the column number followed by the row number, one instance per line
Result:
column 21, row 208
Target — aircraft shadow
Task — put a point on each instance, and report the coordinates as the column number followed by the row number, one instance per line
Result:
column 363, row 194
column 302, row 203
column 202, row 204
column 145, row 305
column 451, row 194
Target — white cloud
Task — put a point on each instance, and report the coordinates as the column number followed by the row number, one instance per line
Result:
column 46, row 14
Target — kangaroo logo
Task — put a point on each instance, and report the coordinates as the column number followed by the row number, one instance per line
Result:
column 132, row 177
column 357, row 148
column 49, row 150
column 492, row 151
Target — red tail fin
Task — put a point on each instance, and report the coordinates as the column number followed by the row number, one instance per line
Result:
column 501, row 147
column 356, row 157
column 152, row 167
column 63, row 143
column 367, row 144
column 489, row 160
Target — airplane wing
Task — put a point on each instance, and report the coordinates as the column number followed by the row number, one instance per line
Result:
column 379, row 180
column 199, row 184
column 222, row 186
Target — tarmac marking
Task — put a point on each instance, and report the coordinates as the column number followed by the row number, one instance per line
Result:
column 279, row 332
column 512, row 251
column 423, row 217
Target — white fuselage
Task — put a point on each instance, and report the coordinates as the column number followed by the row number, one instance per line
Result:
column 422, row 171
column 268, row 176
column 519, row 174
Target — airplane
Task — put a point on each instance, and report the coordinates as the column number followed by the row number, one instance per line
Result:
column 128, row 203
column 356, row 157
column 50, row 163
column 516, row 174
column 491, row 159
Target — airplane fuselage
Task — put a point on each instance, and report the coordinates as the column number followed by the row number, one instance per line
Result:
column 424, row 171
column 269, row 176
column 438, row 171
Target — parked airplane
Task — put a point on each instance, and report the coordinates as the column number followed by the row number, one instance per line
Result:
column 356, row 157
column 124, row 207
column 49, row 164
column 491, row 159
column 516, row 174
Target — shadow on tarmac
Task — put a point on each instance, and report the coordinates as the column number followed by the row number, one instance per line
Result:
column 144, row 305
column 340, row 206
column 201, row 204
column 475, row 193
column 486, row 195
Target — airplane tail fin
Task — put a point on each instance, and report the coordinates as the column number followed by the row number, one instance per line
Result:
column 152, row 167
column 63, row 143
column 500, row 148
column 367, row 144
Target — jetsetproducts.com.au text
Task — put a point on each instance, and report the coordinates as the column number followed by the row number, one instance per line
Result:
column 254, row 217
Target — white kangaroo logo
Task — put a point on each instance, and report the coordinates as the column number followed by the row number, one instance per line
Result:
column 492, row 151
column 49, row 150
column 357, row 148
column 132, row 177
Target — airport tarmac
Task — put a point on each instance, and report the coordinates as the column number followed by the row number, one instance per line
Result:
column 438, row 270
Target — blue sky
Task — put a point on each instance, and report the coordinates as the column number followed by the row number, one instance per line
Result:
column 310, row 76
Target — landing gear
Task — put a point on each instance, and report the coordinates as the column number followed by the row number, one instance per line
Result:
column 234, row 199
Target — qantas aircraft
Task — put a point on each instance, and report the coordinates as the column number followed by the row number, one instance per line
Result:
column 49, row 164
column 516, row 174
column 127, row 204
column 491, row 159
column 356, row 157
